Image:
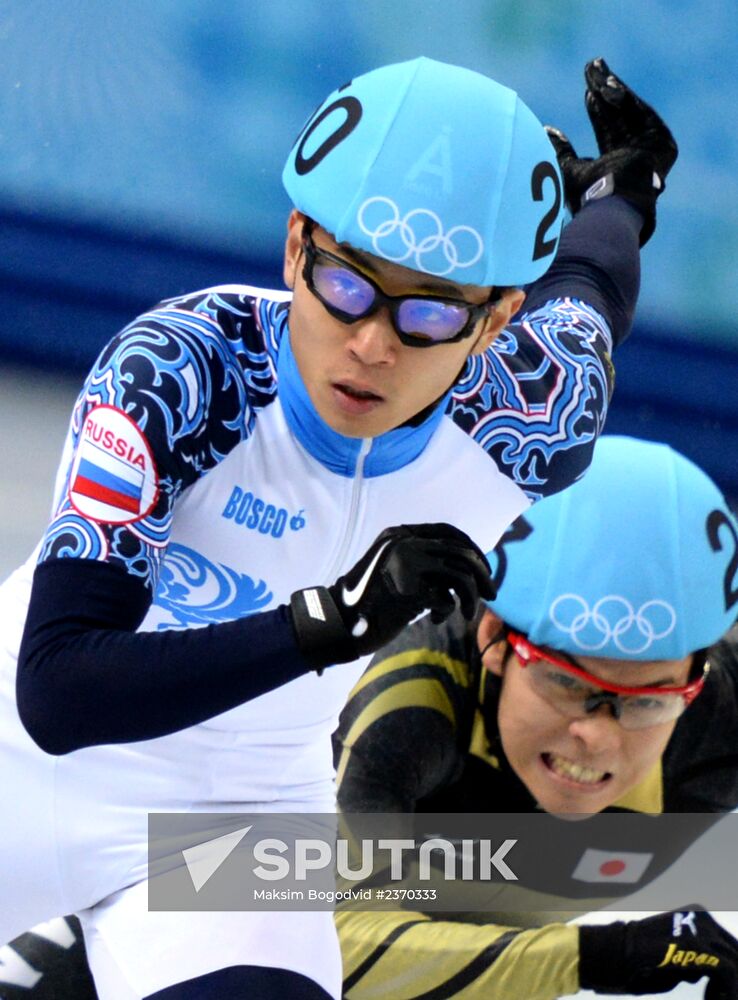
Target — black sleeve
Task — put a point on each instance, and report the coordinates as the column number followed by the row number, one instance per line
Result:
column 387, row 768
column 397, row 737
column 86, row 677
column 598, row 261
column 701, row 759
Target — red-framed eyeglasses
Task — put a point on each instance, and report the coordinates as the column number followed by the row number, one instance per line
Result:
column 576, row 693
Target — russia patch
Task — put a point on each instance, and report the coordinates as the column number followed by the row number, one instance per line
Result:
column 611, row 866
column 113, row 478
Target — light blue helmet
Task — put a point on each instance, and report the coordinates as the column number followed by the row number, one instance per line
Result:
column 638, row 560
column 434, row 167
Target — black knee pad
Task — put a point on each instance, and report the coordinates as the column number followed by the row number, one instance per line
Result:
column 50, row 966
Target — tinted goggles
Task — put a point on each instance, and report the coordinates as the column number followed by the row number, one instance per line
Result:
column 350, row 295
column 575, row 692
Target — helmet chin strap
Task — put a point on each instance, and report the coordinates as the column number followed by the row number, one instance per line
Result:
column 497, row 637
column 489, row 645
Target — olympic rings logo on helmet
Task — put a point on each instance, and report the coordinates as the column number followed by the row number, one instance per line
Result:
column 419, row 247
column 613, row 619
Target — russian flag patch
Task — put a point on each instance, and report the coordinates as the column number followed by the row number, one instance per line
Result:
column 113, row 478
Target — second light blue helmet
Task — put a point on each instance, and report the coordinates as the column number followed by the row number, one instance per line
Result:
column 434, row 167
column 637, row 560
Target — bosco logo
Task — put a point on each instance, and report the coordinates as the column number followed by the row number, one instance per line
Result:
column 113, row 479
column 250, row 511
column 297, row 521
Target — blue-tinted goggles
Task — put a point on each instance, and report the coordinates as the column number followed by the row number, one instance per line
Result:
column 350, row 295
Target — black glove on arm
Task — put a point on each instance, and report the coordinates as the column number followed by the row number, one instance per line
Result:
column 408, row 569
column 655, row 954
column 637, row 150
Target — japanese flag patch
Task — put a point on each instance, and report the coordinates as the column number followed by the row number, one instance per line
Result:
column 611, row 866
column 113, row 478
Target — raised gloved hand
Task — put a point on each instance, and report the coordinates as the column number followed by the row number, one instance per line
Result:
column 637, row 150
column 406, row 570
column 655, row 954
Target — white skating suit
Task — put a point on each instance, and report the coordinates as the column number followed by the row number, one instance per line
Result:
column 198, row 472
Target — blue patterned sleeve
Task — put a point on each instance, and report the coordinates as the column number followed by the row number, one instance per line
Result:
column 165, row 401
column 168, row 398
column 537, row 401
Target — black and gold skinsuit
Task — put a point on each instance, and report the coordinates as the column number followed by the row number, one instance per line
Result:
column 419, row 734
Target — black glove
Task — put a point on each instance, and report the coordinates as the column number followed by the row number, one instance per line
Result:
column 637, row 150
column 408, row 569
column 655, row 954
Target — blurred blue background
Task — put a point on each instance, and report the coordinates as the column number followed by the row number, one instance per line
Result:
column 142, row 144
